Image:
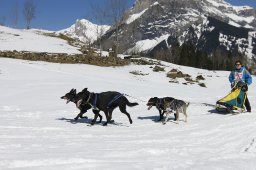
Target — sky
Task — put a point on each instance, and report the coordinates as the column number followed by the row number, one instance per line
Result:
column 60, row 14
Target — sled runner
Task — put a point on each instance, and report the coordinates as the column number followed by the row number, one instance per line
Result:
column 234, row 100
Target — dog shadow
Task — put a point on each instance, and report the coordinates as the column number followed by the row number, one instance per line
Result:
column 73, row 121
column 88, row 122
column 118, row 124
column 214, row 111
column 153, row 118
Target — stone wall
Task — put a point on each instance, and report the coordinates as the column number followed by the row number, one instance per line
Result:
column 65, row 58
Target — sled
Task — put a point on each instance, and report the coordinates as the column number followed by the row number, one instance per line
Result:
column 234, row 101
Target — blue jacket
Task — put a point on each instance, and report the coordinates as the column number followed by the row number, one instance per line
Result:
column 240, row 75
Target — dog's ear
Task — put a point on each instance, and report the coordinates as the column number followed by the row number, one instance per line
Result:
column 84, row 90
column 73, row 91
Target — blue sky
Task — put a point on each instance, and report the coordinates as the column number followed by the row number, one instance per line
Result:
column 60, row 14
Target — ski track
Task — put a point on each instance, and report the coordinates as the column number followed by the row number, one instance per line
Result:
column 37, row 130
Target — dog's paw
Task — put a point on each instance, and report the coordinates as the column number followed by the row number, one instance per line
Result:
column 163, row 123
column 105, row 124
column 76, row 118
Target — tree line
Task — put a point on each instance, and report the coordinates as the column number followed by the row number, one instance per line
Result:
column 28, row 11
column 188, row 55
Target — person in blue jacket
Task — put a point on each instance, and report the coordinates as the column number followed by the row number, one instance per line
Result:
column 241, row 74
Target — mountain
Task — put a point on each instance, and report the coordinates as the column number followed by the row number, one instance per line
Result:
column 151, row 25
column 85, row 31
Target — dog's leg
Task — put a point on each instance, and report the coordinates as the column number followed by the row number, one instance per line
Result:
column 111, row 109
column 185, row 114
column 107, row 118
column 160, row 114
column 100, row 118
column 177, row 116
column 80, row 115
column 76, row 118
column 96, row 114
column 123, row 110
column 166, row 117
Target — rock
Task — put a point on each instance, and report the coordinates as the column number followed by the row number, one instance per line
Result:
column 202, row 84
column 157, row 69
column 200, row 77
column 177, row 74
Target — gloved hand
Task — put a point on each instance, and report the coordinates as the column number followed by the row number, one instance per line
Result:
column 244, row 87
column 233, row 85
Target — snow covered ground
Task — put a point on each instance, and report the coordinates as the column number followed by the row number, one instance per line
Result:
column 37, row 130
column 34, row 41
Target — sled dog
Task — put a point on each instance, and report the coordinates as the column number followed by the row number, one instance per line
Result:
column 176, row 106
column 159, row 104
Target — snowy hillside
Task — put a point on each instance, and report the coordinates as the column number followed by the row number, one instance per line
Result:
column 85, row 31
column 37, row 130
column 34, row 41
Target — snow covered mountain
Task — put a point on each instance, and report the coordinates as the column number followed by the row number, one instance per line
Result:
column 85, row 31
column 209, row 24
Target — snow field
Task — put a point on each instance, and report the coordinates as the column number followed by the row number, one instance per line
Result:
column 37, row 130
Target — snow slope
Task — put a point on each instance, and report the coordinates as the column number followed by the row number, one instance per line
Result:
column 37, row 130
column 32, row 40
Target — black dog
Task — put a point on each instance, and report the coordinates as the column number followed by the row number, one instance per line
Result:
column 159, row 103
column 71, row 96
column 106, row 102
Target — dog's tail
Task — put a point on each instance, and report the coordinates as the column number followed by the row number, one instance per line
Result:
column 131, row 104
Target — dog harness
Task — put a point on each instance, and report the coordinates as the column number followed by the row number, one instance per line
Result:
column 160, row 103
column 115, row 99
column 95, row 102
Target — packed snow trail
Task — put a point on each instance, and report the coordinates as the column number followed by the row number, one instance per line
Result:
column 37, row 130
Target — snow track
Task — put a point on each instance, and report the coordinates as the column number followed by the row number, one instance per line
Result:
column 37, row 130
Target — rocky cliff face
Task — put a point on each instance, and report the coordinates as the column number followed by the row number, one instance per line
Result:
column 209, row 24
